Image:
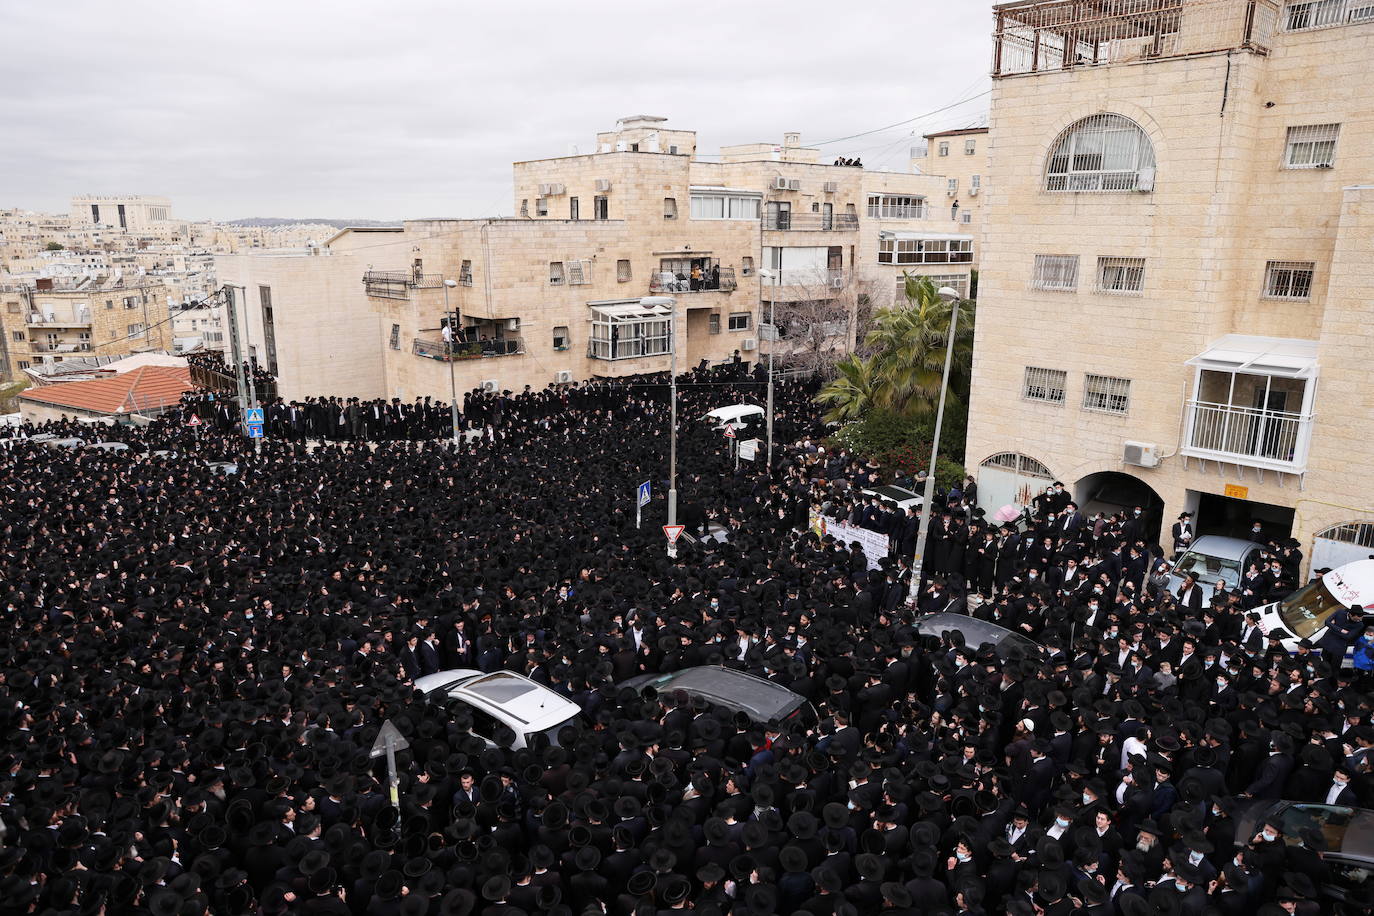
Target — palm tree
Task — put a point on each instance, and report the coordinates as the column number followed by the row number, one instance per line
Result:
column 851, row 393
column 904, row 374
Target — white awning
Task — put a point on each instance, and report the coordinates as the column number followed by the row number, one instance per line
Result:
column 921, row 236
column 632, row 312
column 1282, row 356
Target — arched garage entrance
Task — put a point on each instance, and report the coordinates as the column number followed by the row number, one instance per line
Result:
column 1010, row 479
column 1112, row 492
column 1341, row 544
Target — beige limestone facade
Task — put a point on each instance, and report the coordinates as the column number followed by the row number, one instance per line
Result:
column 49, row 321
column 1176, row 280
column 554, row 294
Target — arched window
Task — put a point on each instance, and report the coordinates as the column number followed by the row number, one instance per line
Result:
column 1105, row 152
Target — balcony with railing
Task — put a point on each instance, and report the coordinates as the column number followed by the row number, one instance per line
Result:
column 786, row 221
column 466, row 350
column 397, row 284
column 65, row 318
column 673, row 282
column 1252, row 403
column 1037, row 36
column 1272, row 439
column 795, row 284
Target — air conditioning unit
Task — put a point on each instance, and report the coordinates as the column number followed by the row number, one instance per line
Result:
column 779, row 184
column 603, row 184
column 972, row 192
column 1145, row 180
column 563, row 377
column 952, row 192
column 512, row 324
column 831, row 187
column 489, row 385
column 550, row 190
column 49, row 315
column 837, row 282
column 749, row 343
column 1141, row 454
column 794, row 184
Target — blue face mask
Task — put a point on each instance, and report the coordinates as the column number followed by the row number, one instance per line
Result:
column 1182, row 887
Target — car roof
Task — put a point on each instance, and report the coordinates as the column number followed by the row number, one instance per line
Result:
column 1352, row 583
column 760, row 698
column 1214, row 545
column 977, row 632
column 733, row 412
column 529, row 705
column 896, row 494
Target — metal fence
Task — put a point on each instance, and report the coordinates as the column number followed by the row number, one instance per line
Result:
column 1248, row 432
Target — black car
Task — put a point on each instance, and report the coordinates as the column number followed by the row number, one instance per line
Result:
column 977, row 633
column 1346, row 844
column 759, row 699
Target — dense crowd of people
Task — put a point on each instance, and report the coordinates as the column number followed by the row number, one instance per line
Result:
column 197, row 664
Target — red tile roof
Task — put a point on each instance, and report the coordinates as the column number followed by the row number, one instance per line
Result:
column 150, row 386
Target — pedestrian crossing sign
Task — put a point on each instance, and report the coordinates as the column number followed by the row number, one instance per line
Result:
column 254, row 415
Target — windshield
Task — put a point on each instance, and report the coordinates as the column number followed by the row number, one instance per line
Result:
column 1328, row 820
column 1305, row 611
column 551, row 732
column 1209, row 570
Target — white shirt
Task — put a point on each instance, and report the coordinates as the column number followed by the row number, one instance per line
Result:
column 1132, row 745
column 1336, row 789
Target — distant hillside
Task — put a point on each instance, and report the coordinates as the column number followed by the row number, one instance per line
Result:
column 270, row 221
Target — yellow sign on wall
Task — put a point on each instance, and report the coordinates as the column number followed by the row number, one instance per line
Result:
column 1236, row 491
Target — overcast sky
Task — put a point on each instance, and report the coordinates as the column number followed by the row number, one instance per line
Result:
column 415, row 108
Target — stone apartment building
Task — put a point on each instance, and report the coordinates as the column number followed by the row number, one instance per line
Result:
column 960, row 157
column 1176, row 278
column 554, row 294
column 48, row 320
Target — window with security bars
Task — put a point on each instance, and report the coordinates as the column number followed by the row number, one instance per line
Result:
column 1056, row 272
column 1300, row 15
column 579, row 272
column 1288, row 279
column 395, row 337
column 622, row 270
column 1311, row 146
column 1101, row 153
column 1104, row 393
column 1120, row 276
column 555, row 273
column 465, row 273
column 1044, row 385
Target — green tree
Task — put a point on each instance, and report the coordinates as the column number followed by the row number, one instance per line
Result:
column 53, row 246
column 851, row 394
column 905, row 372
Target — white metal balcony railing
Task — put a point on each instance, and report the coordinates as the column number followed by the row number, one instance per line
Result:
column 1302, row 15
column 810, row 278
column 1272, row 439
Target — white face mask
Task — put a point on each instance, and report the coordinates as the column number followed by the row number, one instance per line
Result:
column 1087, row 799
column 1269, row 837
column 962, row 856
column 1194, row 857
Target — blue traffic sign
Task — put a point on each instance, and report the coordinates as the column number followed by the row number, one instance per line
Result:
column 255, row 431
column 644, row 493
column 254, row 415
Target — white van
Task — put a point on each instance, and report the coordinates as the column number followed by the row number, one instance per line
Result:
column 1303, row 614
column 737, row 415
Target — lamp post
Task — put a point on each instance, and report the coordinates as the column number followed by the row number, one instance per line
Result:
column 451, row 336
column 671, row 303
column 776, row 278
column 918, row 561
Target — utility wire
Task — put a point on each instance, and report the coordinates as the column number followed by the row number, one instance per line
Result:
column 907, row 121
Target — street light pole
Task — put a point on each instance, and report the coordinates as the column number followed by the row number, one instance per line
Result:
column 452, row 380
column 671, row 303
column 928, row 497
column 776, row 278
